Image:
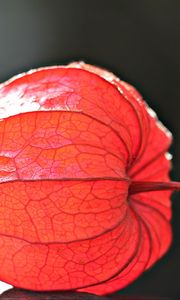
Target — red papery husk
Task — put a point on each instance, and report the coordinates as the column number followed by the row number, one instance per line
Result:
column 73, row 143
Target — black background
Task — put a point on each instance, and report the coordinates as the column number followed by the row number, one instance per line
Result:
column 137, row 40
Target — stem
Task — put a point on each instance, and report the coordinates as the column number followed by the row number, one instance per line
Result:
column 143, row 186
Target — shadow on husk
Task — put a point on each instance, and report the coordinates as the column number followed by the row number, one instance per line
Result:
column 18, row 294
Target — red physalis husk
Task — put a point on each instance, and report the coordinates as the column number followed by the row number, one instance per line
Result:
column 84, row 184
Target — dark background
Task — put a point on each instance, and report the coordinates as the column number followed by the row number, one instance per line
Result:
column 137, row 40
